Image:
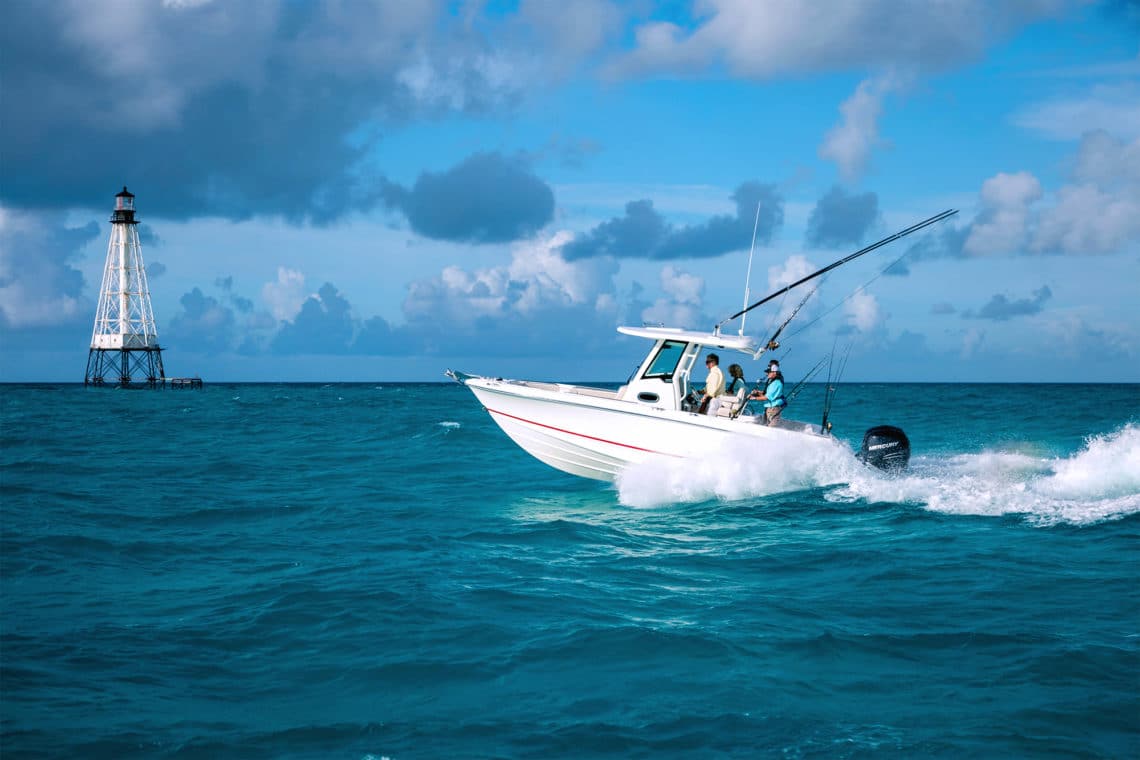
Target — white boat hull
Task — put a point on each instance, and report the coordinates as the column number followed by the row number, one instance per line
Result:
column 595, row 437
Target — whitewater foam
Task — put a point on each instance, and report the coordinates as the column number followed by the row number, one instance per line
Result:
column 1099, row 482
column 746, row 469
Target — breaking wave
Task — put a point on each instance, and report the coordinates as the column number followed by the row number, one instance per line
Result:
column 1099, row 482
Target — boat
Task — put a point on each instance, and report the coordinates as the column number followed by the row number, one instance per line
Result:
column 597, row 432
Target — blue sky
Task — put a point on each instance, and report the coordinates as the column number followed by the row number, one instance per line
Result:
column 379, row 191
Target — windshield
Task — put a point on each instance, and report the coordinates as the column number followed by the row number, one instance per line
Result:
column 665, row 363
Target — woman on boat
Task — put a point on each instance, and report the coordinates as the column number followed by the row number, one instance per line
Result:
column 736, row 372
column 773, row 393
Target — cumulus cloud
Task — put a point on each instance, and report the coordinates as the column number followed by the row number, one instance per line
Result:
column 241, row 303
column 840, row 218
column 155, row 269
column 285, row 295
column 486, row 199
column 1097, row 212
column 536, row 277
column 1000, row 228
column 1100, row 211
column 1087, row 220
column 39, row 286
column 849, row 143
column 787, row 37
column 863, row 312
column 643, row 233
column 537, row 304
column 681, row 302
column 323, row 326
column 1108, row 161
column 204, row 325
column 219, row 93
column 1000, row 308
column 793, row 269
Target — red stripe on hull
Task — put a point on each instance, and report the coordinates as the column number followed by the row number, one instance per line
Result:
column 580, row 435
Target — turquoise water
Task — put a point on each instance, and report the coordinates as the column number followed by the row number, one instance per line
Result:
column 375, row 570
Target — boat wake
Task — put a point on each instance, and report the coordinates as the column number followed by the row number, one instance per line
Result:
column 1099, row 482
column 745, row 469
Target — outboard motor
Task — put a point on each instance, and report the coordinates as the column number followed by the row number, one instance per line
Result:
column 886, row 447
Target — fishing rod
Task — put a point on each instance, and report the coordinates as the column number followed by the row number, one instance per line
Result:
column 829, row 394
column 900, row 234
column 791, row 395
column 772, row 344
column 850, row 295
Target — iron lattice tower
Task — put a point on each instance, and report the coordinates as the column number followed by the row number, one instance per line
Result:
column 124, row 344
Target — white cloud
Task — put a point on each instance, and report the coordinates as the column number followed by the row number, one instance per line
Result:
column 1107, row 161
column 1097, row 213
column 850, row 142
column 863, row 312
column 763, row 39
column 1100, row 213
column 285, row 295
column 682, row 286
column 1113, row 108
column 540, row 43
column 681, row 304
column 1002, row 226
column 795, row 267
column 22, row 304
column 1088, row 220
column 536, row 278
column 38, row 285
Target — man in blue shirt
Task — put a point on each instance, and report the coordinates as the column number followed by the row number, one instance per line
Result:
column 773, row 393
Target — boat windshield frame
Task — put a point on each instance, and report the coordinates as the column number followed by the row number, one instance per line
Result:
column 677, row 350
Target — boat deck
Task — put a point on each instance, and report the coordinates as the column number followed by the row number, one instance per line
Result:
column 581, row 390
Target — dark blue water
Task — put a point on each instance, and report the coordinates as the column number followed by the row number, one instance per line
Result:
column 367, row 571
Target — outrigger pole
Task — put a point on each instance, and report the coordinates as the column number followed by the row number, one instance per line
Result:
column 748, row 277
column 901, row 234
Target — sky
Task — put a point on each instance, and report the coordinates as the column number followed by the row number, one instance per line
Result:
column 379, row 191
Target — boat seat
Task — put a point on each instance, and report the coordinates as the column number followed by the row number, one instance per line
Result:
column 730, row 406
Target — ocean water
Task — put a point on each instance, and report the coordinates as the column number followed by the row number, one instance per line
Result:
column 376, row 571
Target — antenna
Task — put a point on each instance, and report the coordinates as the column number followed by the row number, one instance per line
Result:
column 748, row 276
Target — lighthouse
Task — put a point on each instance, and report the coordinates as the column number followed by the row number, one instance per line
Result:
column 124, row 343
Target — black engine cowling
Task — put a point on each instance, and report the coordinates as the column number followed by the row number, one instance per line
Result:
column 886, row 447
